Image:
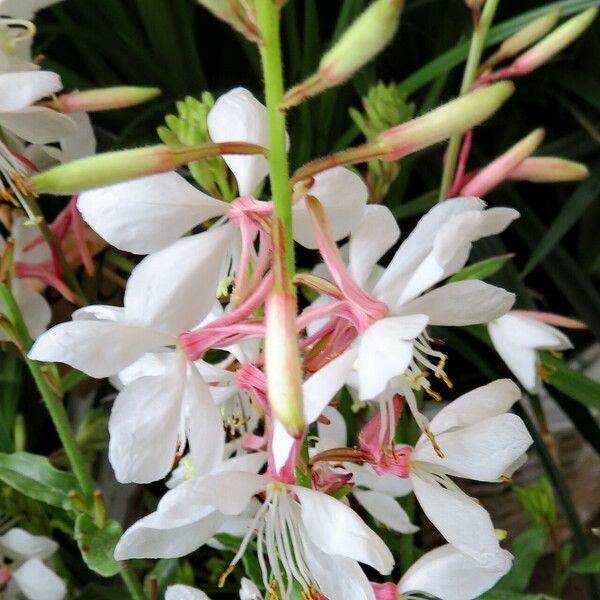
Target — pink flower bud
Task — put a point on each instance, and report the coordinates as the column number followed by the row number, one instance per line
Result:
column 234, row 13
column 530, row 34
column 385, row 591
column 548, row 168
column 499, row 169
column 282, row 359
column 552, row 44
column 103, row 99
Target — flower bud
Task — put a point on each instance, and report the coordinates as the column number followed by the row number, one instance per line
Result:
column 112, row 167
column 103, row 99
column 499, row 169
column 552, row 44
column 542, row 169
column 370, row 33
column 234, row 14
column 282, row 360
column 474, row 5
column 454, row 117
column 530, row 34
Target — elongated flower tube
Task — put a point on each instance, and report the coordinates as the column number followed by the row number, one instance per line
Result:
column 454, row 117
column 234, row 14
column 113, row 167
column 499, row 169
column 548, row 168
column 102, row 99
column 362, row 41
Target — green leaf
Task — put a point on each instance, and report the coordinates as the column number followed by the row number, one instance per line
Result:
column 165, row 571
column 526, row 548
column 11, row 374
column 482, row 269
column 35, row 477
column 590, row 564
column 504, row 595
column 97, row 545
column 570, row 213
column 573, row 383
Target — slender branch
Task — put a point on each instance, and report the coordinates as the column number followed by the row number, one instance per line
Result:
column 134, row 587
column 476, row 49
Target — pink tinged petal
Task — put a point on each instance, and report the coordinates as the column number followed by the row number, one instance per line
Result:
column 205, row 425
column 460, row 303
column 551, row 319
column 385, row 510
column 159, row 536
column 343, row 195
column 38, row 124
column 385, row 351
column 174, row 288
column 447, row 573
column 370, row 240
column 184, row 592
column 20, row 545
column 482, row 403
column 249, row 591
column 463, row 522
column 419, row 243
column 338, row 577
column 483, row 451
column 238, row 116
column 37, row 582
column 147, row 214
column 336, row 529
column 98, row 348
column 531, row 333
column 520, row 360
column 36, row 311
column 144, row 425
column 18, row 90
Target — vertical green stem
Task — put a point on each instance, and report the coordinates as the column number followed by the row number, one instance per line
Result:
column 270, row 52
column 476, row 49
column 134, row 587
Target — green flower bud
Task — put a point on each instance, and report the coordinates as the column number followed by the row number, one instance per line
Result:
column 103, row 99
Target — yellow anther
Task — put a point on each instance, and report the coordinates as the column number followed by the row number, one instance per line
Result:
column 225, row 575
column 18, row 181
column 555, row 353
column 504, row 479
column 188, row 468
column 433, row 394
column 545, row 370
column 434, row 443
column 501, row 534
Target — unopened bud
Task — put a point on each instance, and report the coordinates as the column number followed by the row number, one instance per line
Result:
column 370, row 33
column 454, row 117
column 474, row 5
column 552, row 44
column 499, row 169
column 235, row 14
column 282, row 359
column 530, row 34
column 103, row 99
column 113, row 167
column 542, row 169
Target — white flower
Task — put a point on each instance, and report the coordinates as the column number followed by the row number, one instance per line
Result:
column 27, row 574
column 24, row 9
column 184, row 592
column 518, row 338
column 165, row 397
column 146, row 214
column 249, row 591
column 448, row 574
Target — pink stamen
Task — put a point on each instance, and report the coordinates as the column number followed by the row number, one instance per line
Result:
column 5, row 576
column 462, row 163
column 45, row 272
column 385, row 591
column 77, row 224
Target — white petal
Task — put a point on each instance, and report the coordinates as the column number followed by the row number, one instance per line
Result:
column 343, row 195
column 334, row 431
column 24, row 232
column 159, row 536
column 447, row 573
column 481, row 403
column 174, row 288
column 336, row 529
column 483, row 451
column 375, row 235
column 420, row 241
column 24, row 9
column 36, row 311
column 385, row 350
column 99, row 312
column 38, row 582
column 82, row 143
column 38, row 124
column 460, row 303
column 281, row 444
column 365, row 476
column 249, row 591
column 98, row 348
column 464, row 523
column 147, row 214
column 20, row 545
column 205, row 429
column 184, row 592
column 519, row 359
column 238, row 116
column 530, row 333
column 252, row 463
column 18, row 90
column 385, row 510
column 144, row 425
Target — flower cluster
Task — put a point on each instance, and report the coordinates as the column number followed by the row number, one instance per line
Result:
column 189, row 351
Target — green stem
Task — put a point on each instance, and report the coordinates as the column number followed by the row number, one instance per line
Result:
column 50, row 397
column 476, row 49
column 134, row 587
column 270, row 52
